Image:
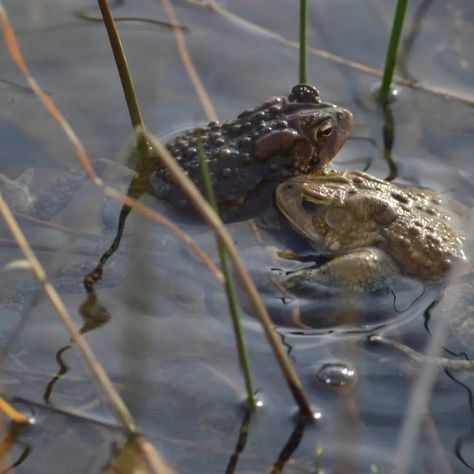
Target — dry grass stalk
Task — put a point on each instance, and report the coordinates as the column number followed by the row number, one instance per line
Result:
column 62, row 312
column 420, row 358
column 210, row 215
column 188, row 63
column 153, row 461
column 13, row 413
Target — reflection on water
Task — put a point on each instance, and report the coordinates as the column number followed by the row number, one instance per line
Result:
column 159, row 323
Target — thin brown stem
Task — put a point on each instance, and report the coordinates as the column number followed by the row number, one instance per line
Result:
column 188, row 63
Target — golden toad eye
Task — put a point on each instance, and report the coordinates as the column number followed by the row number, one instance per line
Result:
column 323, row 131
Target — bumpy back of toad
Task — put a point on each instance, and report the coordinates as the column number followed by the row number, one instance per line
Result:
column 263, row 146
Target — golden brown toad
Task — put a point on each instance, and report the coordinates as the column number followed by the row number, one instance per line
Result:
column 374, row 229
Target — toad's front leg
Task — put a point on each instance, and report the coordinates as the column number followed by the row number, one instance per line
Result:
column 362, row 270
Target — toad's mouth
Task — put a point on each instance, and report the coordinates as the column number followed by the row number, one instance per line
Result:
column 305, row 159
column 305, row 164
column 289, row 198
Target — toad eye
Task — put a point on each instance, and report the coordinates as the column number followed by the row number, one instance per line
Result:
column 323, row 131
column 310, row 206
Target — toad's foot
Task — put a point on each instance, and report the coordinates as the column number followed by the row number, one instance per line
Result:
column 17, row 192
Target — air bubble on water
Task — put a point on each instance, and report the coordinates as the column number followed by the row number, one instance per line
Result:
column 336, row 375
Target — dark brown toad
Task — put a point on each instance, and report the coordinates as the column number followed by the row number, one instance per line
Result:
column 247, row 157
column 262, row 147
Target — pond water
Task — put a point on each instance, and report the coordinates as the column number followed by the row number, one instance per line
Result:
column 161, row 327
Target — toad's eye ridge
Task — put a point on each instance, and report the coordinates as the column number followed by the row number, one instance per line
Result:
column 310, row 206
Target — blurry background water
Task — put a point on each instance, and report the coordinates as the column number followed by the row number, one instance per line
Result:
column 164, row 335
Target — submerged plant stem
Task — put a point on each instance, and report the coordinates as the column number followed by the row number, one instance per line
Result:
column 388, row 134
column 303, row 36
column 229, row 282
column 420, row 358
column 391, row 58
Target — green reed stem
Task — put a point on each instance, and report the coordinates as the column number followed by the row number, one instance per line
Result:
column 124, row 73
column 229, row 281
column 122, row 66
column 391, row 58
column 303, row 11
